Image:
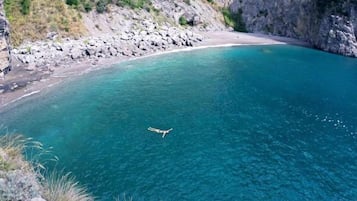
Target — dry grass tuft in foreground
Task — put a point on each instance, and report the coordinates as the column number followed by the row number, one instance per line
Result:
column 40, row 18
column 20, row 179
column 11, row 147
column 63, row 187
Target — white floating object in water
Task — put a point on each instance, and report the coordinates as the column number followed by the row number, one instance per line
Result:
column 159, row 131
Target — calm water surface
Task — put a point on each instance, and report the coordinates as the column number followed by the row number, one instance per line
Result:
column 250, row 123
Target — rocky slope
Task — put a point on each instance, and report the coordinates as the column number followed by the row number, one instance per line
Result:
column 124, row 32
column 120, row 32
column 327, row 25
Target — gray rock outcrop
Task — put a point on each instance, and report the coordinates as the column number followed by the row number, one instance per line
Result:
column 337, row 35
column 5, row 58
column 327, row 26
column 17, row 180
column 200, row 14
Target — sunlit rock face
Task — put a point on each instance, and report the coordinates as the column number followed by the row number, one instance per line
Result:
column 328, row 26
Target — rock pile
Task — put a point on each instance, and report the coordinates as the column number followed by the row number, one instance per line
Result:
column 44, row 55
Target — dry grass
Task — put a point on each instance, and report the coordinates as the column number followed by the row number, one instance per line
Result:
column 56, row 186
column 11, row 147
column 63, row 187
column 44, row 16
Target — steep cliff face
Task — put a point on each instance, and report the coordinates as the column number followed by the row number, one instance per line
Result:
column 4, row 43
column 337, row 35
column 327, row 25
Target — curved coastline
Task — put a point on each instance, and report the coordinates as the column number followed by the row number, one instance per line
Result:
column 212, row 40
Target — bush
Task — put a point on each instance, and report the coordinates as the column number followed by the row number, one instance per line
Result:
column 72, row 2
column 25, row 7
column 132, row 3
column 234, row 20
column 101, row 6
column 87, row 6
column 188, row 2
column 182, row 21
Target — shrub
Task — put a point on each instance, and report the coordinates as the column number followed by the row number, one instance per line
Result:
column 87, row 6
column 182, row 21
column 234, row 20
column 101, row 6
column 25, row 7
column 72, row 2
column 188, row 2
column 134, row 4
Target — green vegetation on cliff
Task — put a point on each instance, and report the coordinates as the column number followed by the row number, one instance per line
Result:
column 101, row 5
column 25, row 7
column 36, row 18
column 234, row 20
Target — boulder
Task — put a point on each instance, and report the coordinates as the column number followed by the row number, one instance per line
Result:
column 76, row 53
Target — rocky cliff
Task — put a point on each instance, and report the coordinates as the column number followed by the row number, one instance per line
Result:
column 4, row 43
column 330, row 25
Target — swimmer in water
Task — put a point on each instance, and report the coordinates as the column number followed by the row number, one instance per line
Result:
column 163, row 132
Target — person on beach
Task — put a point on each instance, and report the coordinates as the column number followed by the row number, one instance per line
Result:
column 163, row 132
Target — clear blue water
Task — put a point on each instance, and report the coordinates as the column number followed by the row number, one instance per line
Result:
column 250, row 123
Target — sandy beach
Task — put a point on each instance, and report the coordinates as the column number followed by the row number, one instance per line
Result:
column 211, row 39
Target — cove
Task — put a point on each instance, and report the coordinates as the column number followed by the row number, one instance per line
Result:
column 250, row 123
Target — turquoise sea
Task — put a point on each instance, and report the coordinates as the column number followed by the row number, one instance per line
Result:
column 250, row 123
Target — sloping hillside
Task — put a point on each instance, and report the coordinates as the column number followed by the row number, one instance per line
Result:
column 38, row 19
column 35, row 19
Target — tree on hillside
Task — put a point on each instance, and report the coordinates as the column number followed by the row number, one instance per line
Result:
column 72, row 2
column 25, row 7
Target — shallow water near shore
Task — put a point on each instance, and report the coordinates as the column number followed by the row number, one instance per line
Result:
column 249, row 123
